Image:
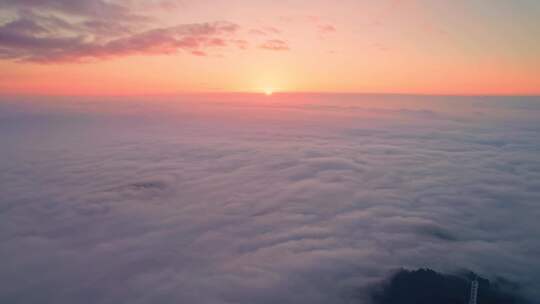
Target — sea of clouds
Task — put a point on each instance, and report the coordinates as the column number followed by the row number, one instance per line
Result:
column 246, row 199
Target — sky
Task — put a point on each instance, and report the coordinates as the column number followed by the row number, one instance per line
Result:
column 138, row 47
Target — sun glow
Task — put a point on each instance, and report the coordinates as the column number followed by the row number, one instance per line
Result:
column 268, row 92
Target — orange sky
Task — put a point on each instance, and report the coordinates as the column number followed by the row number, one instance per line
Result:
column 133, row 47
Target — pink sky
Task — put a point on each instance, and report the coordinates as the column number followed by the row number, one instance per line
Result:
column 135, row 47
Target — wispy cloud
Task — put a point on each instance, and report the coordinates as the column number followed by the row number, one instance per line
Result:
column 265, row 31
column 274, row 45
column 52, row 31
column 18, row 43
column 95, row 9
column 326, row 28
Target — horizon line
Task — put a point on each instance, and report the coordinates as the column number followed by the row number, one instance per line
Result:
column 275, row 93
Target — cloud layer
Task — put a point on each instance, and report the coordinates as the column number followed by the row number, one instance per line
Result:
column 52, row 31
column 292, row 199
column 275, row 45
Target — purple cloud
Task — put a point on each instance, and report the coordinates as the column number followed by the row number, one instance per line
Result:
column 275, row 45
column 19, row 40
column 240, row 43
column 326, row 28
column 257, row 32
column 265, row 31
column 52, row 31
column 271, row 30
column 90, row 8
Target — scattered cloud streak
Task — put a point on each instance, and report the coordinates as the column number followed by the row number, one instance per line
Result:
column 326, row 28
column 275, row 45
column 52, row 31
column 265, row 31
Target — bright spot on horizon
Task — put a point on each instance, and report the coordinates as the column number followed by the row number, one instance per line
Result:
column 268, row 92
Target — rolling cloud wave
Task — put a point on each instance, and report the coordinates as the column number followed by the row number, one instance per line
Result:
column 292, row 202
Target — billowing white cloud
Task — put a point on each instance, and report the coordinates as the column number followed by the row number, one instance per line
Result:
column 308, row 200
